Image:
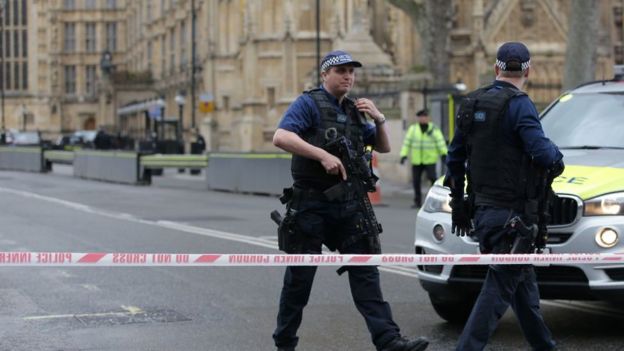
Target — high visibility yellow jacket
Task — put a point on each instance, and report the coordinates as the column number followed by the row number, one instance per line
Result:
column 423, row 148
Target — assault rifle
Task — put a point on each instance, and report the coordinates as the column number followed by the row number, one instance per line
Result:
column 532, row 237
column 546, row 196
column 360, row 181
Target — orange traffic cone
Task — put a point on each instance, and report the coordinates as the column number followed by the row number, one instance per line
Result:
column 375, row 197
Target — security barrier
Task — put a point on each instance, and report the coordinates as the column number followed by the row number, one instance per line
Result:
column 111, row 166
column 249, row 172
column 29, row 159
column 174, row 161
column 256, row 173
column 57, row 156
column 51, row 157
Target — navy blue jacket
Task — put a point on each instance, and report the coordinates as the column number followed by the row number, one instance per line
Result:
column 521, row 127
column 303, row 114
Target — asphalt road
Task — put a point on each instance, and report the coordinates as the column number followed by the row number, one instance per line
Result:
column 206, row 308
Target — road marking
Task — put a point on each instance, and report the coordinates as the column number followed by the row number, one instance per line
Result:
column 65, row 274
column 90, row 287
column 251, row 240
column 257, row 241
column 129, row 311
column 132, row 309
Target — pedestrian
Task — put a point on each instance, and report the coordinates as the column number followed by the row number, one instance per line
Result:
column 102, row 140
column 313, row 118
column 199, row 141
column 500, row 136
column 424, row 144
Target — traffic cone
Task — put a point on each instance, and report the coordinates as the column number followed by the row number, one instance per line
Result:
column 375, row 198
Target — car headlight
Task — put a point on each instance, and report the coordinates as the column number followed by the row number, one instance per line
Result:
column 605, row 205
column 437, row 200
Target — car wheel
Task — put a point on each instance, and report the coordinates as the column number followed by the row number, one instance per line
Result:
column 455, row 311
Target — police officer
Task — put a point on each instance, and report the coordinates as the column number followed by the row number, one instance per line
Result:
column 499, row 134
column 424, row 144
column 312, row 119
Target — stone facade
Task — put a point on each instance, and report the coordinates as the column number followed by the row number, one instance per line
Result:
column 254, row 57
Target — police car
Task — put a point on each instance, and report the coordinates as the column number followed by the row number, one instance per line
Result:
column 587, row 124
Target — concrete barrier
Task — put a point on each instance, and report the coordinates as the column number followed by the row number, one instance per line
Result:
column 110, row 166
column 29, row 159
column 249, row 172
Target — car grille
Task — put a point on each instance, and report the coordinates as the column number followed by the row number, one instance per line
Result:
column 558, row 238
column 432, row 269
column 563, row 210
column 551, row 274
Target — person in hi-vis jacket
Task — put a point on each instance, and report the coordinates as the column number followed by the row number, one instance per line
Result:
column 423, row 145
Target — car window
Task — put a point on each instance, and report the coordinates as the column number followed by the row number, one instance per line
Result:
column 586, row 121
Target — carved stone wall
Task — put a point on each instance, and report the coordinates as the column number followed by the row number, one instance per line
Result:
column 255, row 57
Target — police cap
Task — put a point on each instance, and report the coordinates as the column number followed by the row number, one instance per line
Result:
column 513, row 56
column 337, row 58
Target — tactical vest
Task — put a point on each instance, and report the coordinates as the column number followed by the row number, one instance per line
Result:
column 497, row 169
column 308, row 173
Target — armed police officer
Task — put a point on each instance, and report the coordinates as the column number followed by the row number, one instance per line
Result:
column 314, row 120
column 501, row 149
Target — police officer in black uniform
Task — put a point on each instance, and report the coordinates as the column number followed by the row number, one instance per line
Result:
column 310, row 122
column 500, row 136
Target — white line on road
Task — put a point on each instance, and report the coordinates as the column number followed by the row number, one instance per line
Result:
column 259, row 241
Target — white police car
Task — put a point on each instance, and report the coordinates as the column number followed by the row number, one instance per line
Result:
column 587, row 124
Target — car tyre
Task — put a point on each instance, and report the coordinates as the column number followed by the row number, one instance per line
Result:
column 455, row 311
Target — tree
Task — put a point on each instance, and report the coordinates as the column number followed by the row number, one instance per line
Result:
column 582, row 43
column 432, row 20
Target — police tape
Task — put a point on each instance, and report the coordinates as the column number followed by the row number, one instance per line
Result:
column 54, row 259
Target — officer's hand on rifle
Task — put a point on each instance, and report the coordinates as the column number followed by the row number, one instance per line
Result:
column 333, row 165
column 403, row 159
column 461, row 223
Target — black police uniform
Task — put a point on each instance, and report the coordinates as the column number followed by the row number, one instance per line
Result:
column 333, row 223
column 499, row 135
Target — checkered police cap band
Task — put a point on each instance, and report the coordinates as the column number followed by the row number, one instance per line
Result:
column 502, row 65
column 340, row 59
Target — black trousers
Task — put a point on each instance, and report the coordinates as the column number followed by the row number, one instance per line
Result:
column 329, row 223
column 417, row 171
column 504, row 286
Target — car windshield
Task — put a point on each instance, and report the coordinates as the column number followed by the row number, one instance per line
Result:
column 586, row 121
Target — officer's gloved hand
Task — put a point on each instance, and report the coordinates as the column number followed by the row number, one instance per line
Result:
column 403, row 159
column 557, row 169
column 461, row 222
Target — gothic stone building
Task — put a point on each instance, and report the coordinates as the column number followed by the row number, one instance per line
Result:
column 80, row 64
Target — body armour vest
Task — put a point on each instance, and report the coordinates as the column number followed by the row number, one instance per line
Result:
column 310, row 174
column 497, row 169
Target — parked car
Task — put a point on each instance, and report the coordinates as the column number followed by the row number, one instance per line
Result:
column 24, row 138
column 80, row 139
column 587, row 123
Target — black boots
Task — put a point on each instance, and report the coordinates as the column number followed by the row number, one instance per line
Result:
column 403, row 344
column 398, row 344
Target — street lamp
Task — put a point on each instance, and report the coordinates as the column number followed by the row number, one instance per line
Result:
column 24, row 115
column 180, row 100
column 2, row 7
